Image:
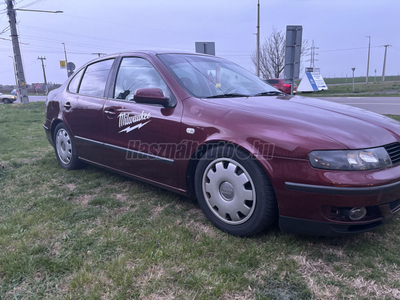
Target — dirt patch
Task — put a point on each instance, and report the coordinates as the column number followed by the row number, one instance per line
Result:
column 83, row 199
column 248, row 295
column 197, row 228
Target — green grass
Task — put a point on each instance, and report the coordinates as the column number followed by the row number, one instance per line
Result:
column 92, row 234
column 371, row 79
column 381, row 89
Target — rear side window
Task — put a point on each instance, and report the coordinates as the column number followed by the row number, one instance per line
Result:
column 74, row 84
column 95, row 78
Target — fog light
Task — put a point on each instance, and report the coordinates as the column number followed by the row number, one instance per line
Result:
column 357, row 213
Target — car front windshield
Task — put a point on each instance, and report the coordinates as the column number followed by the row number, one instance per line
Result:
column 212, row 77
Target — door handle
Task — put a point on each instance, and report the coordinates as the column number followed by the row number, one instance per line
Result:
column 67, row 105
column 110, row 112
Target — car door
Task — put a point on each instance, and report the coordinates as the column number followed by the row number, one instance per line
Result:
column 83, row 109
column 141, row 138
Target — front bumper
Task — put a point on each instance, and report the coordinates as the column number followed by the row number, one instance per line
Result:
column 378, row 215
column 312, row 201
column 318, row 228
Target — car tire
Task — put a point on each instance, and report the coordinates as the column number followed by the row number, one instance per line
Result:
column 234, row 192
column 6, row 101
column 65, row 149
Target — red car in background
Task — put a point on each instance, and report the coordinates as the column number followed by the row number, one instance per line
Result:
column 204, row 127
column 281, row 85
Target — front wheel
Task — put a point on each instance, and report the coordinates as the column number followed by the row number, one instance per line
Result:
column 6, row 101
column 234, row 191
column 65, row 149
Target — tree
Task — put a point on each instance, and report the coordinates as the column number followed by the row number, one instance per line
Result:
column 272, row 55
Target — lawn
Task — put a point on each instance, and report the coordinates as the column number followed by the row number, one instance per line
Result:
column 93, row 234
column 380, row 89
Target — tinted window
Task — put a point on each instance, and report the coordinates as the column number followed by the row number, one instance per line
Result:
column 74, row 84
column 95, row 78
column 137, row 73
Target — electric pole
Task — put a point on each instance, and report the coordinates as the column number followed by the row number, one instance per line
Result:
column 369, row 48
column 258, row 39
column 384, row 62
column 312, row 54
column 44, row 73
column 21, row 83
column 66, row 61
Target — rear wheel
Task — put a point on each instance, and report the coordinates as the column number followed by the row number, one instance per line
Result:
column 234, row 192
column 65, row 149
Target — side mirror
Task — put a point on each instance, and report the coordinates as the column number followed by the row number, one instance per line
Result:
column 151, row 96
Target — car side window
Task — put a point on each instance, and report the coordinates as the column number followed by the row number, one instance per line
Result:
column 74, row 84
column 137, row 73
column 95, row 78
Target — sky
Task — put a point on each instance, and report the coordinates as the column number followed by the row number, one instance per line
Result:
column 337, row 27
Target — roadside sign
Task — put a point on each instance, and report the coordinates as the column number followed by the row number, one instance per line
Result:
column 312, row 81
column 293, row 51
column 205, row 47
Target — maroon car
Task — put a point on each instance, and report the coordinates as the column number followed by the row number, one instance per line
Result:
column 204, row 127
column 281, row 85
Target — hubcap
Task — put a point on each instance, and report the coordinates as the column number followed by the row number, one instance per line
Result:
column 64, row 146
column 229, row 191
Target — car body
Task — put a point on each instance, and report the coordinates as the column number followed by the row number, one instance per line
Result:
column 204, row 127
column 7, row 98
column 281, row 85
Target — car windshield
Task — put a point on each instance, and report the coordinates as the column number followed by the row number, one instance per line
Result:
column 212, row 77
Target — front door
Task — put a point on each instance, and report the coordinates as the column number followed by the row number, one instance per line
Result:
column 141, row 138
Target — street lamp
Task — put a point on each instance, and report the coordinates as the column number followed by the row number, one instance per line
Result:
column 353, row 77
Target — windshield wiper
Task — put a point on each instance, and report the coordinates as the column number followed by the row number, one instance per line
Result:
column 231, row 95
column 270, row 93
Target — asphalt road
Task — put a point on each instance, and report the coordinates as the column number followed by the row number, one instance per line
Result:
column 381, row 105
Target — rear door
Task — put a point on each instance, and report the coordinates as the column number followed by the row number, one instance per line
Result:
column 83, row 109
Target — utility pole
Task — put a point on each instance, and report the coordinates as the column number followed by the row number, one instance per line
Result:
column 369, row 49
column 312, row 54
column 258, row 39
column 44, row 72
column 21, row 82
column 66, row 61
column 384, row 62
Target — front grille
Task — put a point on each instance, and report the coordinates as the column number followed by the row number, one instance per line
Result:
column 394, row 152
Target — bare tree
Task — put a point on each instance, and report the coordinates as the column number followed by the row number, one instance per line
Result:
column 272, row 55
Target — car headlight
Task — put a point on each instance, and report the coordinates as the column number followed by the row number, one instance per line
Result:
column 350, row 160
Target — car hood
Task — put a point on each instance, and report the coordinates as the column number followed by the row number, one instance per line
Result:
column 350, row 127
